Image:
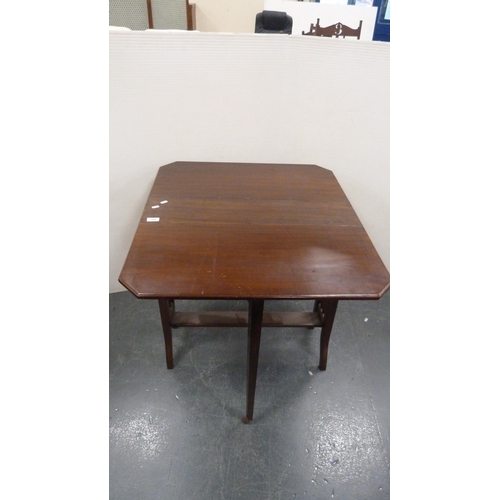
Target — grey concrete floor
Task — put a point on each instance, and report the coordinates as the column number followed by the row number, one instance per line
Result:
column 178, row 434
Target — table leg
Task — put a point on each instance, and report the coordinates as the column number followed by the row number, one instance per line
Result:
column 166, row 312
column 315, row 309
column 328, row 310
column 255, row 312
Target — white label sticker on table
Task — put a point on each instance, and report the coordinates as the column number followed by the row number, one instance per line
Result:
column 153, row 219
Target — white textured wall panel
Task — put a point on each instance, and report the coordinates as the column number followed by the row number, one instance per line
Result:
column 247, row 98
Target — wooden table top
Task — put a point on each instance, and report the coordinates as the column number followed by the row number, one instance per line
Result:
column 248, row 231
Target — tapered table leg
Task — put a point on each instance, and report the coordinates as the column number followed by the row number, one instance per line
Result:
column 255, row 312
column 328, row 310
column 166, row 312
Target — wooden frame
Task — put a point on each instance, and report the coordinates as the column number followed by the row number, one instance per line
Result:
column 335, row 30
column 150, row 15
column 190, row 15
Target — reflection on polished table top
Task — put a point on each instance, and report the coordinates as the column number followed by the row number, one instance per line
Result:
column 251, row 231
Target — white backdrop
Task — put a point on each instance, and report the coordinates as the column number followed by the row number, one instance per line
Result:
column 246, row 98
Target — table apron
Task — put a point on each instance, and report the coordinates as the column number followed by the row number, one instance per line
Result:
column 240, row 318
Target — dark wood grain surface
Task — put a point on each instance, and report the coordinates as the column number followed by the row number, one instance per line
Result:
column 254, row 231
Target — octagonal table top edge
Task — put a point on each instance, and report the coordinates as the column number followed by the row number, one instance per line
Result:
column 212, row 245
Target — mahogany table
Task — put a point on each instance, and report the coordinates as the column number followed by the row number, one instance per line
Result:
column 254, row 232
